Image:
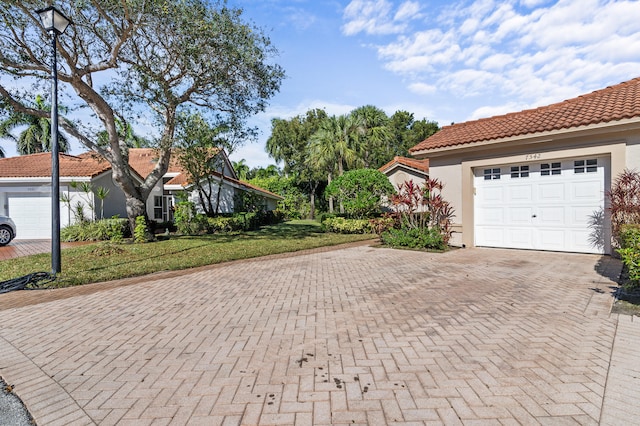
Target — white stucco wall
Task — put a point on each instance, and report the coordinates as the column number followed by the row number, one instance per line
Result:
column 226, row 199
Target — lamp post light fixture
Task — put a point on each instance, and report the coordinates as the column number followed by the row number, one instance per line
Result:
column 55, row 23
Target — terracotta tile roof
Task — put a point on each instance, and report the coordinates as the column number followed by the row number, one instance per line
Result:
column 614, row 103
column 422, row 165
column 89, row 164
column 39, row 165
column 143, row 160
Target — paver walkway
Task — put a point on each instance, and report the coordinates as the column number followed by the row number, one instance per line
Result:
column 354, row 336
column 19, row 248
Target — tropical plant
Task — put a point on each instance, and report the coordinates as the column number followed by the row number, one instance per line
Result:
column 37, row 135
column 241, row 168
column 421, row 211
column 624, row 202
column 373, row 142
column 361, row 191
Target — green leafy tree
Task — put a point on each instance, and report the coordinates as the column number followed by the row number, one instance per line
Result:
column 361, row 192
column 293, row 205
column 290, row 143
column 407, row 132
column 114, row 58
column 37, row 135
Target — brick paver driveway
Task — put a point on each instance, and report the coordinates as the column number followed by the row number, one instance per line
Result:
column 354, row 336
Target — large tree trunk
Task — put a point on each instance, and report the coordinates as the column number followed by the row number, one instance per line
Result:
column 312, row 200
column 330, row 198
column 135, row 208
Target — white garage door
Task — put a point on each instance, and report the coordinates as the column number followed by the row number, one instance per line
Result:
column 32, row 214
column 547, row 205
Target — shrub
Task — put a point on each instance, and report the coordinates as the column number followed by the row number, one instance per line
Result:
column 295, row 205
column 630, row 253
column 187, row 221
column 141, row 232
column 414, row 238
column 383, row 224
column 114, row 229
column 361, row 192
column 340, row 225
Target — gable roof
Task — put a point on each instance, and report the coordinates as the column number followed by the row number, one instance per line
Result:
column 412, row 163
column 618, row 102
column 39, row 165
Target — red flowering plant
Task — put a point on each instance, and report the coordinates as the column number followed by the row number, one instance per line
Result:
column 422, row 216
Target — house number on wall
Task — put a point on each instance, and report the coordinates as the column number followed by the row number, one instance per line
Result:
column 535, row 156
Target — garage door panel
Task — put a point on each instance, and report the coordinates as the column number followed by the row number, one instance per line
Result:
column 552, row 239
column 546, row 205
column 581, row 191
column 493, row 236
column 520, row 215
column 493, row 216
column 581, row 239
column 520, row 237
column 582, row 216
column 552, row 191
column 551, row 215
column 520, row 194
column 493, row 195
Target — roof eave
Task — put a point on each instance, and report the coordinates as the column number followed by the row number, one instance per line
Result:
column 541, row 137
column 404, row 166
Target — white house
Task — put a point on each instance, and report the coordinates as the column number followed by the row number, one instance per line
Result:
column 25, row 189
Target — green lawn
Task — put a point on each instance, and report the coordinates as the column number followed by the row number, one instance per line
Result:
column 105, row 261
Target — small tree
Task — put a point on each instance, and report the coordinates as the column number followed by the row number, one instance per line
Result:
column 360, row 191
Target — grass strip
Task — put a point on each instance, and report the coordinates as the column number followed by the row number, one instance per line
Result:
column 108, row 261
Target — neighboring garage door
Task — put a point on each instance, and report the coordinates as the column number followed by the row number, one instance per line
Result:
column 546, row 205
column 32, row 214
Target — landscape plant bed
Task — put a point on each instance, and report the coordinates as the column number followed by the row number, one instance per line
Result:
column 105, row 261
column 627, row 298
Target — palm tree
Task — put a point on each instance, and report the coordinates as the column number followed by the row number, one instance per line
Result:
column 241, row 168
column 37, row 136
column 374, row 142
column 333, row 146
column 126, row 134
column 2, row 154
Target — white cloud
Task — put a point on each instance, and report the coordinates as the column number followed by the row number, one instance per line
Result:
column 378, row 18
column 422, row 88
column 529, row 50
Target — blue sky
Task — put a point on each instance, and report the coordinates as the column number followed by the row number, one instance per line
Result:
column 448, row 61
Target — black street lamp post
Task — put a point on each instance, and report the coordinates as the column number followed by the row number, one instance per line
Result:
column 55, row 23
